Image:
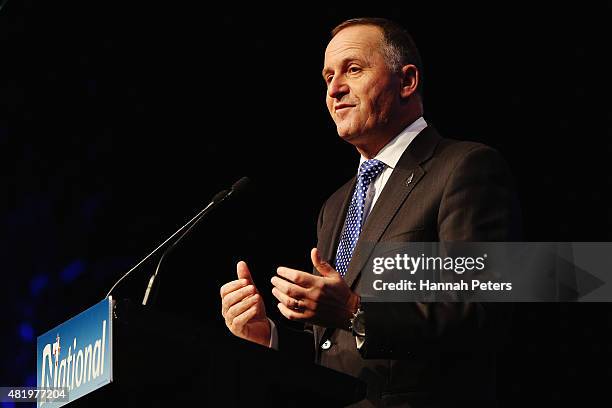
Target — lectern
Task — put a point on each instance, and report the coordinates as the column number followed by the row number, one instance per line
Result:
column 161, row 360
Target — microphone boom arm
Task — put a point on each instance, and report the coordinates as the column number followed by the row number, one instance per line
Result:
column 237, row 188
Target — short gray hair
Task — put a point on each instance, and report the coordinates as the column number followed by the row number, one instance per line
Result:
column 398, row 47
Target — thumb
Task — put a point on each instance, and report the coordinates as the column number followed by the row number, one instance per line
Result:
column 324, row 268
column 242, row 270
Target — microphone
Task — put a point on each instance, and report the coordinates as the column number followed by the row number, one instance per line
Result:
column 240, row 186
column 237, row 188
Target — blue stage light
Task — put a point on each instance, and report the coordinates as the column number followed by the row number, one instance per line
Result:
column 38, row 283
column 72, row 271
column 26, row 332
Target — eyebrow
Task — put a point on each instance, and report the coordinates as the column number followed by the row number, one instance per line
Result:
column 346, row 60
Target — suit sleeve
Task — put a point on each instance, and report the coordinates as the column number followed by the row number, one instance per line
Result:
column 478, row 204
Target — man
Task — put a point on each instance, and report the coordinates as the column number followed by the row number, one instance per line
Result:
column 412, row 185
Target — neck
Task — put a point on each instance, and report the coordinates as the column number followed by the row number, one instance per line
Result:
column 370, row 149
column 375, row 142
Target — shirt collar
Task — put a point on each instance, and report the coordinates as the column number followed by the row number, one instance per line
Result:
column 391, row 153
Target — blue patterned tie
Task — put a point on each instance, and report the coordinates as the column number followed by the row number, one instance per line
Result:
column 354, row 218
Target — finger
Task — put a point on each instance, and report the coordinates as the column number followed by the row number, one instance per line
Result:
column 241, row 307
column 289, row 288
column 324, row 268
column 243, row 272
column 290, row 314
column 294, row 304
column 236, row 296
column 232, row 286
column 240, row 321
column 303, row 279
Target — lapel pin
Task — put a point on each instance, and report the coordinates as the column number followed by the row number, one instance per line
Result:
column 409, row 179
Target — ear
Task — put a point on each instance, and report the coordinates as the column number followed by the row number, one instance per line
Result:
column 410, row 80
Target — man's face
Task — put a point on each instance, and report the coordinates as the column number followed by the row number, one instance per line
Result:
column 363, row 95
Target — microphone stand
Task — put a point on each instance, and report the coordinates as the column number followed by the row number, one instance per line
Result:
column 221, row 196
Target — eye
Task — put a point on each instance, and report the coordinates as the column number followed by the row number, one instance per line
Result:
column 328, row 79
column 353, row 69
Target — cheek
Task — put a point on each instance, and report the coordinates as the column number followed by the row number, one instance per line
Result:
column 382, row 103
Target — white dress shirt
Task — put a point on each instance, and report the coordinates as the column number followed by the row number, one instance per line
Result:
column 389, row 155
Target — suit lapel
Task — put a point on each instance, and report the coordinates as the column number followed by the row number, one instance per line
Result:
column 338, row 206
column 406, row 175
column 397, row 188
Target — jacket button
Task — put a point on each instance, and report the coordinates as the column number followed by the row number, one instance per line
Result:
column 326, row 345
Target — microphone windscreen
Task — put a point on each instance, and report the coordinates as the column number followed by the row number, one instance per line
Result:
column 241, row 185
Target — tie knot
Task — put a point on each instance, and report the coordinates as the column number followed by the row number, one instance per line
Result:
column 369, row 169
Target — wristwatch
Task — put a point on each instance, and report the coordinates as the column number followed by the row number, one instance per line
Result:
column 357, row 323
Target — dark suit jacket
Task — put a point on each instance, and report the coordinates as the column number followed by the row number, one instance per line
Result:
column 437, row 354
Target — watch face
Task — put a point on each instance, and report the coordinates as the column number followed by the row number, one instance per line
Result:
column 359, row 324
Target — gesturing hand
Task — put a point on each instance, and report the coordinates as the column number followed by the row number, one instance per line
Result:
column 243, row 308
column 324, row 300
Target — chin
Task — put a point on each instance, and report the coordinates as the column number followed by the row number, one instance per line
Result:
column 348, row 136
column 345, row 130
column 344, row 133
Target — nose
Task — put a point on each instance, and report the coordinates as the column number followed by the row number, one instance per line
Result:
column 337, row 88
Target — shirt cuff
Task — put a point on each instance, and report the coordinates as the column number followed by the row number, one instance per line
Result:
column 273, row 336
column 359, row 340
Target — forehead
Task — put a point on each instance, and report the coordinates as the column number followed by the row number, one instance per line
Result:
column 359, row 41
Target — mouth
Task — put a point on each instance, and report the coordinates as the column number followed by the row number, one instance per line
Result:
column 342, row 106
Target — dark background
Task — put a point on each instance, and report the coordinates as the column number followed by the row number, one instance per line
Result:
column 120, row 120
